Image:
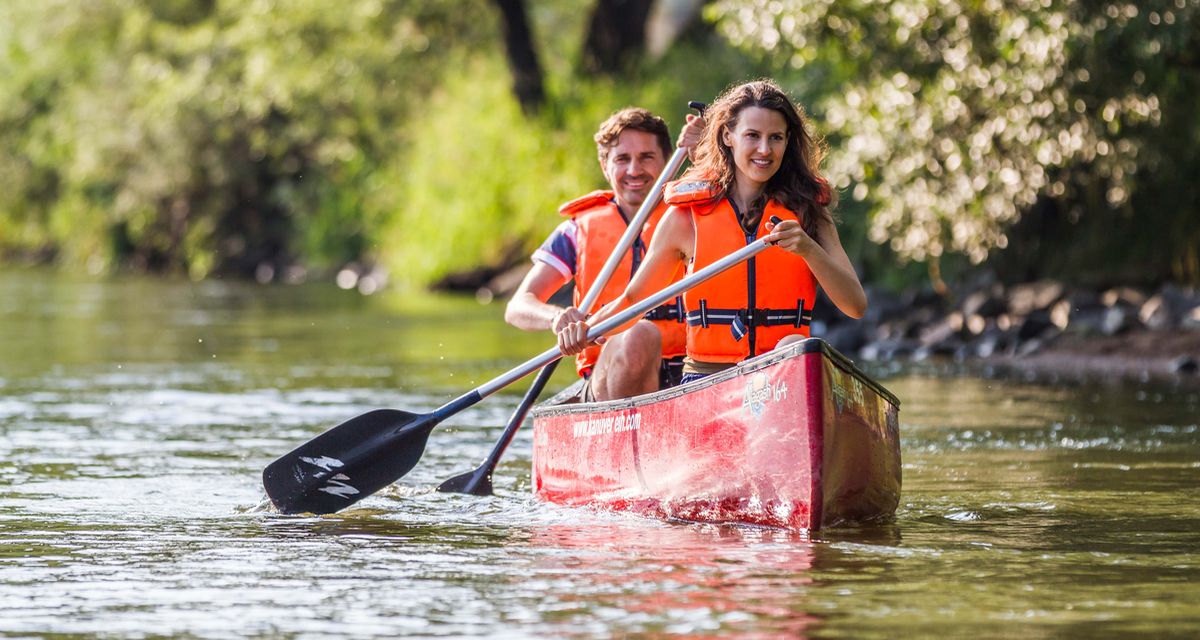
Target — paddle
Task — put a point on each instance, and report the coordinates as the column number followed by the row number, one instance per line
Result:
column 366, row 453
column 478, row 481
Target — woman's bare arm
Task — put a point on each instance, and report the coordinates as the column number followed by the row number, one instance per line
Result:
column 827, row 260
column 671, row 246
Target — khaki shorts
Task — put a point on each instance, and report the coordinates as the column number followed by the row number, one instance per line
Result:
column 669, row 373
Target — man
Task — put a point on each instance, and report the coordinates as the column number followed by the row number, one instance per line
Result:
column 633, row 146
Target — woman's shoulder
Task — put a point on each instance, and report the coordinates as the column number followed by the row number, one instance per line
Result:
column 694, row 192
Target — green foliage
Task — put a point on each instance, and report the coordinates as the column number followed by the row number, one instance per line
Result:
column 218, row 136
column 476, row 176
column 207, row 136
column 953, row 118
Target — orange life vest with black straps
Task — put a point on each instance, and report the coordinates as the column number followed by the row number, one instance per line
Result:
column 600, row 227
column 747, row 309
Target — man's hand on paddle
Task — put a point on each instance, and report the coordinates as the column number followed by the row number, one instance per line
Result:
column 690, row 134
column 572, row 339
column 565, row 317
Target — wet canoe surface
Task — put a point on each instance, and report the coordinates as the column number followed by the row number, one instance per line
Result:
column 798, row 439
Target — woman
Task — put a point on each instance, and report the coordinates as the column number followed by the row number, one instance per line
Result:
column 756, row 160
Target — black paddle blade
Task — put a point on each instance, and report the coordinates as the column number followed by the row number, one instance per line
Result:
column 349, row 462
column 476, row 483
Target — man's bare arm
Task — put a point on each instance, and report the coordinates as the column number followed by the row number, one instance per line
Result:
column 528, row 308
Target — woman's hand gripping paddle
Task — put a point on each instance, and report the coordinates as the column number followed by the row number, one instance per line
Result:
column 478, row 482
column 366, row 453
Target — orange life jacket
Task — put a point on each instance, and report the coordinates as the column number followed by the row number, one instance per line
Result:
column 600, row 226
column 747, row 309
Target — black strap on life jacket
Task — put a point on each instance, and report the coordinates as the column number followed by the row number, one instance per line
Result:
column 740, row 320
column 669, row 311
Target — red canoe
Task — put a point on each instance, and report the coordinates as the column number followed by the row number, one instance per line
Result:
column 798, row 439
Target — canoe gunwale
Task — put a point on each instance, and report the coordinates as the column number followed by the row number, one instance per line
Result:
column 552, row 406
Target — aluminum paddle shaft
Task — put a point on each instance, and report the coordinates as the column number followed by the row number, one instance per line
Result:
column 370, row 451
column 478, row 481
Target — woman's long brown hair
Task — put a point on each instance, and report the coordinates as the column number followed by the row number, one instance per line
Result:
column 797, row 184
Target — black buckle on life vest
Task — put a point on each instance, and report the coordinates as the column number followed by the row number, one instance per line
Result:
column 745, row 318
column 755, row 317
column 669, row 311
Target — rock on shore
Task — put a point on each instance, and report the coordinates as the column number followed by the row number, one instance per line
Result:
column 1044, row 326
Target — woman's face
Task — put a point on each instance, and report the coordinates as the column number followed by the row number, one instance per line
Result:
column 757, row 143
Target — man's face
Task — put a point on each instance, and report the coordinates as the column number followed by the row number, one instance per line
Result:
column 632, row 166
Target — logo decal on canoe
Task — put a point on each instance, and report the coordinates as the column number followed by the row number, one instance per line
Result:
column 848, row 394
column 760, row 391
column 604, row 425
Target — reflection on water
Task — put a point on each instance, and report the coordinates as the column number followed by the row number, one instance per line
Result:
column 136, row 416
column 676, row 579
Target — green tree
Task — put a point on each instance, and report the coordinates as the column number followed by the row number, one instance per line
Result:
column 228, row 136
column 953, row 118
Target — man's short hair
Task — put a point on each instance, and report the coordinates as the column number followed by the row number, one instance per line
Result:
column 634, row 118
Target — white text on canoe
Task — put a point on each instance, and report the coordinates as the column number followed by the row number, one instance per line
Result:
column 606, row 425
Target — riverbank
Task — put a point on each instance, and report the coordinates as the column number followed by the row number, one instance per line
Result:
column 1043, row 329
column 1139, row 355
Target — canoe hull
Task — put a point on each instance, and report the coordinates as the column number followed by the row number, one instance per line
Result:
column 797, row 439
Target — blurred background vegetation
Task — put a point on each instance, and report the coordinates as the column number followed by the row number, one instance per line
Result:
column 416, row 139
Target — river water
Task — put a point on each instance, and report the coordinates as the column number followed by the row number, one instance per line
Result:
column 136, row 416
